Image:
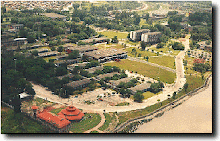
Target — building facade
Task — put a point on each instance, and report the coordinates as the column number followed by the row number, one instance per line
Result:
column 136, row 35
column 151, row 37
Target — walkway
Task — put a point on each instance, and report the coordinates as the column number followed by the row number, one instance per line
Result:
column 96, row 128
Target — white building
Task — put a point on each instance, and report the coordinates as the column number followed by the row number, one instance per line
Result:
column 151, row 37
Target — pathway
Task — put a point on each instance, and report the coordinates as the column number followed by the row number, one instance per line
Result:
column 96, row 128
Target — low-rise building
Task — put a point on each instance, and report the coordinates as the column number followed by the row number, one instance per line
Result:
column 136, row 35
column 104, row 55
column 99, row 77
column 95, row 40
column 141, row 87
column 151, row 37
column 79, row 84
column 93, row 69
column 115, row 83
column 48, row 54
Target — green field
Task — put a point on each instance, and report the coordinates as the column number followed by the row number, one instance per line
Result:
column 89, row 121
column 166, row 61
column 143, row 53
column 108, row 120
column 112, row 34
column 145, row 69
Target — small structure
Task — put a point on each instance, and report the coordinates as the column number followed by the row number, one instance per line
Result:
column 55, row 16
column 99, row 77
column 72, row 113
column 117, row 82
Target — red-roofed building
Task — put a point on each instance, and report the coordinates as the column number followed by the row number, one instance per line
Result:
column 72, row 113
column 58, row 121
column 199, row 60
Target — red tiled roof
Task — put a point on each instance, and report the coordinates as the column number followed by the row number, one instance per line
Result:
column 72, row 113
column 59, row 121
column 34, row 107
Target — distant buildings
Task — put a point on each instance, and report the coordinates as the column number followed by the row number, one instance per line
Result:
column 55, row 16
column 79, row 84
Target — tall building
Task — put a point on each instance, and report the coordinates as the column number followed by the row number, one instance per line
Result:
column 151, row 37
column 136, row 35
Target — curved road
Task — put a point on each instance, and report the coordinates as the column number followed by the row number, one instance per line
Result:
column 180, row 81
column 192, row 116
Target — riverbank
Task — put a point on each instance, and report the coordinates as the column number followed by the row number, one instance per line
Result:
column 193, row 116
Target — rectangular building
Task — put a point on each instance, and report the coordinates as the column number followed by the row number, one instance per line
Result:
column 151, row 37
column 104, row 55
column 141, row 87
column 136, row 35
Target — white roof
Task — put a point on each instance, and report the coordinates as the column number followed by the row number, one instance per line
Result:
column 23, row 95
column 19, row 39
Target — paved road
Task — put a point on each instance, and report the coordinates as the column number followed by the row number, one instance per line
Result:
column 193, row 116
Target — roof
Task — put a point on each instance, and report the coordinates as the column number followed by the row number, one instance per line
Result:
column 34, row 107
column 83, row 48
column 92, row 70
column 58, row 121
column 20, row 39
column 78, row 83
column 105, row 53
column 72, row 113
column 117, row 82
column 94, row 39
column 106, row 75
column 141, row 30
column 140, row 87
column 48, row 53
column 70, row 75
column 23, row 95
column 152, row 33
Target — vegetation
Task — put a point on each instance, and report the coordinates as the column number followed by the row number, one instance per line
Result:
column 108, row 120
column 138, row 96
column 156, row 87
column 145, row 69
column 123, row 104
column 19, row 123
column 89, row 121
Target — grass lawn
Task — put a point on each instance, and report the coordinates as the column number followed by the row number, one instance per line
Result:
column 123, row 104
column 145, row 69
column 108, row 120
column 56, row 111
column 112, row 34
column 148, row 94
column 134, row 43
column 165, row 50
column 48, row 58
column 19, row 123
column 89, row 121
column 143, row 53
column 166, row 61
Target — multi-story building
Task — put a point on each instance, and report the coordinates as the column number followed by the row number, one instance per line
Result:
column 136, row 35
column 151, row 37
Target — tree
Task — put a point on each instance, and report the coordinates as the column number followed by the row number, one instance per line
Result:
column 177, row 46
column 174, row 95
column 34, row 53
column 60, row 49
column 30, row 90
column 143, row 45
column 185, row 86
column 74, row 54
column 61, row 71
column 138, row 96
column 115, row 39
column 147, row 58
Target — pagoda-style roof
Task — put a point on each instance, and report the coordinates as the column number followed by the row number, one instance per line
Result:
column 72, row 113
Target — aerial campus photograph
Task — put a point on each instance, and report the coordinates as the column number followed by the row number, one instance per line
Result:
column 106, row 67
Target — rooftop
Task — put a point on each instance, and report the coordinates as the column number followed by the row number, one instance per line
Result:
column 54, row 15
column 78, row 83
column 140, row 87
column 106, row 75
column 117, row 82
